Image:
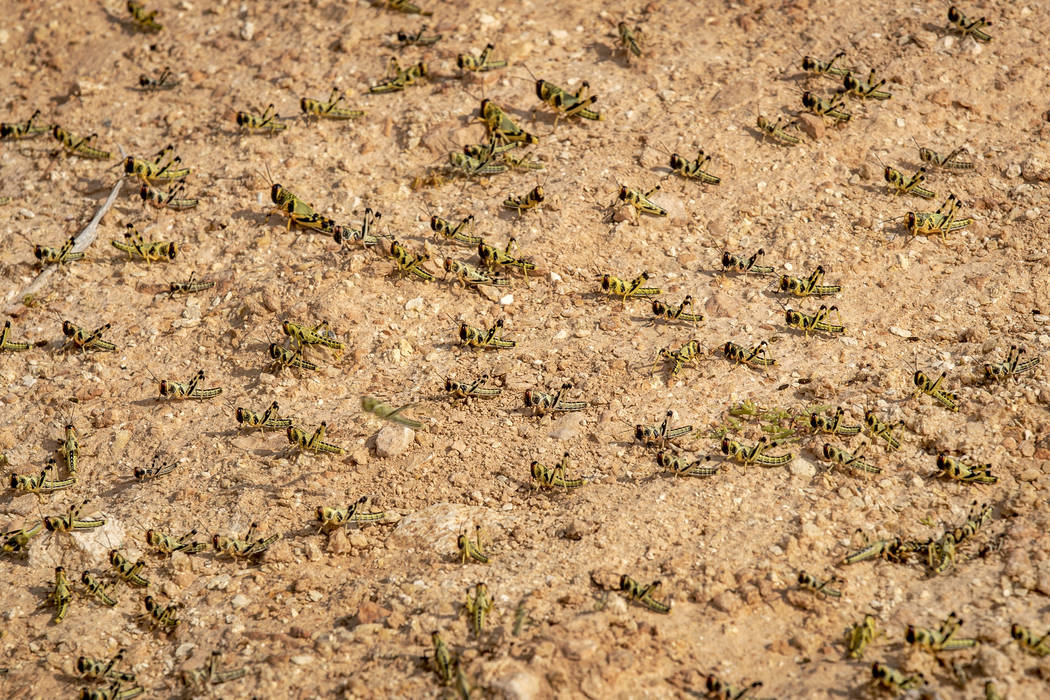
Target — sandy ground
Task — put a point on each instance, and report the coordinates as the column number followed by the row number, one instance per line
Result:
column 349, row 614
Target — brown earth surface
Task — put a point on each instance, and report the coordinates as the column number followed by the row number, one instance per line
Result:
column 349, row 614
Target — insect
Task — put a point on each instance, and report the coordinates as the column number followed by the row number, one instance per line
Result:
column 860, row 635
column 967, row 473
column 442, row 659
column 419, row 38
column 541, row 402
column 851, row 461
column 61, row 595
column 465, row 391
column 78, row 147
column 345, row 234
column 491, row 257
column 819, row 321
column 942, row 221
column 286, row 357
column 832, row 426
column 388, row 412
column 58, row 256
column 399, row 78
column 164, row 81
column 628, row 40
column 490, row 339
column 41, row 484
column 878, row 429
column 101, row 591
column 189, row 286
column 894, row 680
column 867, row 88
column 465, row 164
column 665, row 312
column 71, row 521
column 756, row 356
column 778, row 133
column 166, row 544
column 948, row 162
column 818, row 67
column 101, row 669
column 640, row 200
column 471, row 550
column 114, row 691
column 249, row 546
column 941, row 639
column 992, row 372
column 550, row 477
column 318, row 335
column 331, row 518
column 270, row 418
column 501, row 127
column 162, row 168
column 6, row 342
column 210, row 674
column 756, row 454
column 892, row 549
column 409, row 262
column 660, row 436
column 682, row 467
column 171, row 199
column 329, row 109
column 162, row 616
column 446, row 230
column 150, row 251
column 404, row 6
column 188, row 390
column 687, row 354
column 568, row 104
column 17, row 541
column 470, row 62
column 809, row 582
column 808, row 286
column 694, row 169
column 478, row 606
column 127, row 571
column 966, row 27
column 23, row 130
column 471, row 276
column 152, row 472
column 644, row 595
column 146, row 21
column 733, row 263
column 826, row 108
column 634, row 288
column 312, row 442
column 898, row 184
column 721, row 690
column 530, row 200
column 267, row 121
column 1029, row 641
column 925, row 385
column 70, row 448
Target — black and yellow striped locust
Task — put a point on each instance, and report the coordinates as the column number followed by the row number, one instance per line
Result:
column 387, row 412
column 491, row 257
column 666, row 312
column 165, row 81
column 17, row 541
column 482, row 63
column 78, row 147
column 640, row 200
column 70, row 448
column 189, row 286
column 403, row 6
column 992, row 371
column 155, row 469
column 1030, row 641
column 100, row 590
column 541, row 402
column 6, row 344
column 128, row 571
column 808, row 286
column 940, row 639
column 532, row 199
column 200, row 678
column 735, row 263
column 246, row 547
column 778, row 131
column 478, row 606
column 554, row 477
column 23, row 130
column 287, row 357
column 188, row 390
column 820, row 321
column 946, row 162
column 167, row 544
column 163, row 167
column 145, row 21
column 318, row 335
column 954, row 468
column 103, row 669
column 943, row 221
column 755, row 356
column 471, row 550
column 860, row 635
column 457, row 233
column 150, row 251
column 487, row 339
column 932, row 388
column 329, row 109
column 660, row 436
column 718, row 689
column 331, row 518
column 164, row 617
column 837, row 455
column 822, row 589
column 687, row 354
column 629, row 39
column 364, row 236
column 818, row 67
column 869, row 89
column 680, row 466
column 45, row 482
column 470, row 276
column 463, row 391
column 268, row 420
column 644, row 595
column 312, row 442
column 83, row 340
column 756, row 454
column 420, row 38
column 895, row 680
column 173, row 199
column 967, row 27
column 500, row 127
column 832, row 108
column 442, row 659
column 61, row 595
column 399, row 78
column 832, row 425
column 408, row 262
column 878, row 428
column 465, row 164
column 891, row 549
column 58, row 256
column 634, row 288
column 694, row 169
column 267, row 121
column 568, row 104
column 898, row 184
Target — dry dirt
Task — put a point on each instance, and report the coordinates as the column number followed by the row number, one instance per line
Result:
column 350, row 614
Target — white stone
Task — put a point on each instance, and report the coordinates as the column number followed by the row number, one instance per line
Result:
column 392, row 440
